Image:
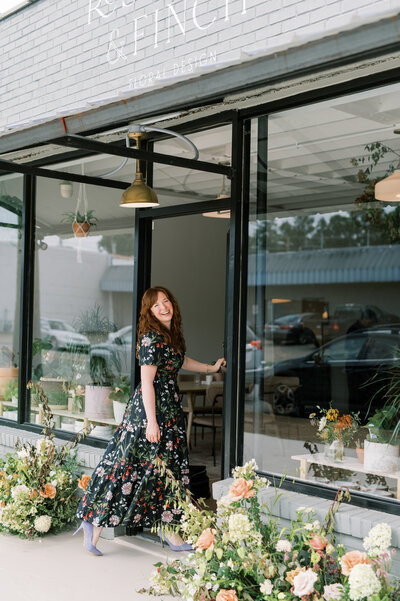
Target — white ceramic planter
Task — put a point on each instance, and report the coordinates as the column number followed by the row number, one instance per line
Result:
column 119, row 410
column 379, row 457
column 98, row 405
column 102, row 432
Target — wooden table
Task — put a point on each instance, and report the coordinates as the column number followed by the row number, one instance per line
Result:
column 192, row 390
column 349, row 463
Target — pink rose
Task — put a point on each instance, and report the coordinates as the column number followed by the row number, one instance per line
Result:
column 303, row 583
column 333, row 592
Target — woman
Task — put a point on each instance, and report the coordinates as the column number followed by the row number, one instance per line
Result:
column 127, row 488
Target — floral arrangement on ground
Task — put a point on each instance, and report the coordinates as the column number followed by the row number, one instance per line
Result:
column 238, row 556
column 39, row 483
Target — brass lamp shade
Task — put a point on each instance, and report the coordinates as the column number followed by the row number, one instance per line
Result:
column 139, row 195
column 388, row 189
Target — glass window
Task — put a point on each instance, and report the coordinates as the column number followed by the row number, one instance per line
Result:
column 11, row 192
column 323, row 291
column 82, row 327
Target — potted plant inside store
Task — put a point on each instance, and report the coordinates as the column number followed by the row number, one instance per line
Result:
column 11, row 393
column 120, row 397
column 81, row 223
column 8, row 369
column 98, row 404
column 381, row 449
column 335, row 430
column 381, row 452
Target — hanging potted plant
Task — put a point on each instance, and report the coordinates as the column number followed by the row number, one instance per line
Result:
column 81, row 223
column 120, row 397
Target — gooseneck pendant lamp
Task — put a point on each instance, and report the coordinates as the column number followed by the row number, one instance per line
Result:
column 139, row 195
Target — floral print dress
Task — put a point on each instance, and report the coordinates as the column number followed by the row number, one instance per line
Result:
column 127, row 488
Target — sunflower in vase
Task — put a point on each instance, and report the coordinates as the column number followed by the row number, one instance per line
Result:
column 335, row 430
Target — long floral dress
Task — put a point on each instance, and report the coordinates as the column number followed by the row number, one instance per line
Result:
column 126, row 487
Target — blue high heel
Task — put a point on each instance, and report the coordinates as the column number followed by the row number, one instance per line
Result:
column 183, row 547
column 87, row 528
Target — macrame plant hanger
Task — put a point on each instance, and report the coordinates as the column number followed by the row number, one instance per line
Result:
column 81, row 229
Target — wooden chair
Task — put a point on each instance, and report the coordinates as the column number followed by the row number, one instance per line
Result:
column 213, row 420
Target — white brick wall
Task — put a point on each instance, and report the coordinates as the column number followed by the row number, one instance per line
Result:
column 52, row 58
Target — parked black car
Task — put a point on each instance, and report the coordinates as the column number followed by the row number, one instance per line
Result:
column 338, row 371
column 291, row 328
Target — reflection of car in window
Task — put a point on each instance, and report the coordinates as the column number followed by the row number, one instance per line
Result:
column 292, row 328
column 339, row 370
column 113, row 356
column 62, row 336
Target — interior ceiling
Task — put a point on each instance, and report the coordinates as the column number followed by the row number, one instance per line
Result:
column 309, row 161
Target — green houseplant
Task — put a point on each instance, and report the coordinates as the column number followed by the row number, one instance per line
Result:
column 8, row 368
column 381, row 449
column 81, row 223
column 120, row 397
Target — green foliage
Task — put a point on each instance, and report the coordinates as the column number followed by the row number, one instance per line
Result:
column 76, row 216
column 121, row 392
column 241, row 557
column 122, row 244
column 39, row 482
column 11, row 391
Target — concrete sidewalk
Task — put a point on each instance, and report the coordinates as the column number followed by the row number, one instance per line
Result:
column 58, row 568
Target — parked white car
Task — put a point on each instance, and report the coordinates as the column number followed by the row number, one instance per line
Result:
column 62, row 336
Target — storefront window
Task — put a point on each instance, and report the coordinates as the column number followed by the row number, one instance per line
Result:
column 82, row 327
column 11, row 187
column 323, row 324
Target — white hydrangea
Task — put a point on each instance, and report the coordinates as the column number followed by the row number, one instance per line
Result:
column 23, row 453
column 322, row 424
column 363, row 582
column 379, row 539
column 19, row 492
column 283, row 546
column 241, row 471
column 43, row 523
column 266, row 587
column 239, row 527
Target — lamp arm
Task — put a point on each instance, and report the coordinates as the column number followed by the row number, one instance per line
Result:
column 146, row 128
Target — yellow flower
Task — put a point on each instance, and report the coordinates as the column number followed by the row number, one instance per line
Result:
column 312, row 415
column 332, row 415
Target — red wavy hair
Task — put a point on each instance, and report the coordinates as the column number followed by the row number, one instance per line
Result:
column 148, row 323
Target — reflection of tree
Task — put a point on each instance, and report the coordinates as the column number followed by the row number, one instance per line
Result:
column 118, row 245
column 386, row 222
column 338, row 231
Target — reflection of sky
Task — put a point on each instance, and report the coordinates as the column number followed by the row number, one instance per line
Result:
column 89, row 243
column 7, row 216
column 6, row 5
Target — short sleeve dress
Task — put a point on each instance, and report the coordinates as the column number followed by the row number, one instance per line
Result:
column 126, row 488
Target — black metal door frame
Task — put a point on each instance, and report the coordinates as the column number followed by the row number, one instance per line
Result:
column 234, row 288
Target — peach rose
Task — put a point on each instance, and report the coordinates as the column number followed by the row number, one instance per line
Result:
column 317, row 542
column 290, row 576
column 351, row 559
column 48, row 492
column 226, row 595
column 241, row 489
column 84, row 481
column 206, row 539
column 304, row 582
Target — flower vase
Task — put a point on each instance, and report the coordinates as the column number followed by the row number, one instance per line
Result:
column 334, row 451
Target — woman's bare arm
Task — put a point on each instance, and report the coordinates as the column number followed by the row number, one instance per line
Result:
column 147, row 374
column 202, row 368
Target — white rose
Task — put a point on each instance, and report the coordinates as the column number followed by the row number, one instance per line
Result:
column 266, row 587
column 304, row 583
